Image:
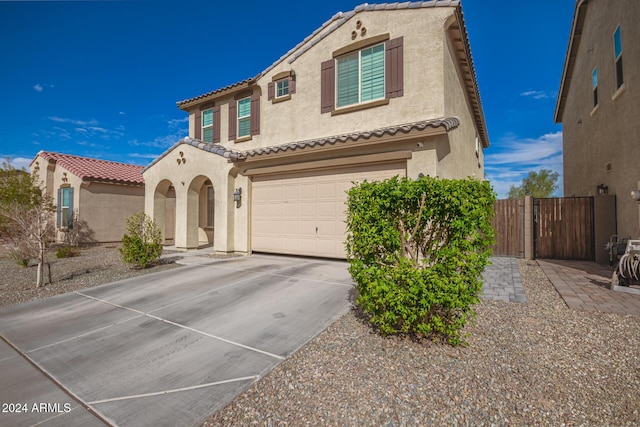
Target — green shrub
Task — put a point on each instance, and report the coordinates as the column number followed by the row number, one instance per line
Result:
column 142, row 244
column 67, row 251
column 417, row 250
column 19, row 257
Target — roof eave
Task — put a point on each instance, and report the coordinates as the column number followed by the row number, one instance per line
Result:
column 569, row 59
column 187, row 104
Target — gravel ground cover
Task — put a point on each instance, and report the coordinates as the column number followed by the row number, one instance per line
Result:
column 96, row 265
column 538, row 363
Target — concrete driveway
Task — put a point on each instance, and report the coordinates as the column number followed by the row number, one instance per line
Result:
column 165, row 349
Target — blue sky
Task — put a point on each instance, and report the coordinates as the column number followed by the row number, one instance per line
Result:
column 101, row 79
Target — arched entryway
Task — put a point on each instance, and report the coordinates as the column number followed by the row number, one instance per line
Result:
column 164, row 212
column 200, row 211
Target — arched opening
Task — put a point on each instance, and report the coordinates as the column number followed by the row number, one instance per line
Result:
column 201, row 211
column 164, row 212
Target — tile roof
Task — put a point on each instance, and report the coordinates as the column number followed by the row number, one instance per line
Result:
column 448, row 123
column 95, row 169
column 330, row 26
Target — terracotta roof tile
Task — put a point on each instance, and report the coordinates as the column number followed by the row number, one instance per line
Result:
column 448, row 123
column 97, row 170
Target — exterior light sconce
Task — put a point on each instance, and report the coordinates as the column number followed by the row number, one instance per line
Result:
column 237, row 196
column 602, row 189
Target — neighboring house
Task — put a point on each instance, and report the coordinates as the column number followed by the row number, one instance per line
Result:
column 599, row 106
column 96, row 195
column 383, row 90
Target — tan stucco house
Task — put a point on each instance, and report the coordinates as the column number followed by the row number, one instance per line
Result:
column 599, row 106
column 96, row 195
column 383, row 90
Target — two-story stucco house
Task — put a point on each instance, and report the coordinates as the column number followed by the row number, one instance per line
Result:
column 383, row 90
column 95, row 196
column 599, row 106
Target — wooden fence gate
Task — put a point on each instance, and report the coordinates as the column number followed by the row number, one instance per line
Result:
column 508, row 223
column 564, row 228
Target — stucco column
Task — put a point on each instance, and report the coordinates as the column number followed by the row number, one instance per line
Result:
column 529, row 229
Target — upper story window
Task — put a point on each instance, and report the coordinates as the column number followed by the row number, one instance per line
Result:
column 617, row 54
column 594, row 86
column 207, row 125
column 282, row 88
column 363, row 74
column 360, row 76
column 244, row 117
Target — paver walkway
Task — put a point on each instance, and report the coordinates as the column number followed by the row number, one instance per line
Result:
column 502, row 281
column 585, row 286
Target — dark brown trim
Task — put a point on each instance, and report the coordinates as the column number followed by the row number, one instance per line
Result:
column 207, row 105
column 244, row 94
column 360, row 45
column 197, row 129
column 282, row 98
column 281, row 75
column 327, row 85
column 359, row 107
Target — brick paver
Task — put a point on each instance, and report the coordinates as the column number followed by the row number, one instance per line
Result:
column 585, row 286
column 501, row 280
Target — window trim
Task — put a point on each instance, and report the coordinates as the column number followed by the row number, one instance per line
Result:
column 238, row 118
column 617, row 57
column 277, row 88
column 358, row 52
column 203, row 127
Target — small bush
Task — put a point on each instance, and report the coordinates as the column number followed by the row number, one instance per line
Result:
column 19, row 257
column 417, row 250
column 67, row 251
column 142, row 245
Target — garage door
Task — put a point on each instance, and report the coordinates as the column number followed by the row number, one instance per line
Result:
column 304, row 213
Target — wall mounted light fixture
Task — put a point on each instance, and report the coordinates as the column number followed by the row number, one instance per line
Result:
column 237, row 196
column 602, row 189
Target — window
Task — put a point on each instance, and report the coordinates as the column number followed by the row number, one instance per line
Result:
column 65, row 207
column 210, row 206
column 207, row 125
column 594, row 86
column 617, row 54
column 244, row 117
column 282, row 88
column 365, row 74
column 360, row 76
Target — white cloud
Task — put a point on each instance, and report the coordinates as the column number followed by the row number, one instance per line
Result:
column 57, row 119
column 38, row 88
column 121, row 113
column 143, row 156
column 535, row 94
column 517, row 157
column 17, row 162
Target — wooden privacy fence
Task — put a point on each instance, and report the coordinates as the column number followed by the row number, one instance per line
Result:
column 564, row 228
column 508, row 223
column 554, row 228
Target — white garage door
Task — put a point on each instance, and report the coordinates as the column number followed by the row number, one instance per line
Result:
column 304, row 213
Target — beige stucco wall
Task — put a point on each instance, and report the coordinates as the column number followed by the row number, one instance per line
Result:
column 102, row 208
column 609, row 134
column 106, row 208
column 188, row 179
column 466, row 158
column 300, row 118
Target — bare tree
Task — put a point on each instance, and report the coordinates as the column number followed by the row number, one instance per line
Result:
column 26, row 214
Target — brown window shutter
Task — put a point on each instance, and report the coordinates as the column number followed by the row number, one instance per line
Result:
column 255, row 113
column 216, row 123
column 292, row 85
column 271, row 90
column 328, row 86
column 233, row 118
column 198, row 125
column 394, row 68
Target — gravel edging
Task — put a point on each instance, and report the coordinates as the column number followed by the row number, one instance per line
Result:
column 96, row 265
column 538, row 363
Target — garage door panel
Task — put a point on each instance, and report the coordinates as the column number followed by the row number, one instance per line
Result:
column 306, row 201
